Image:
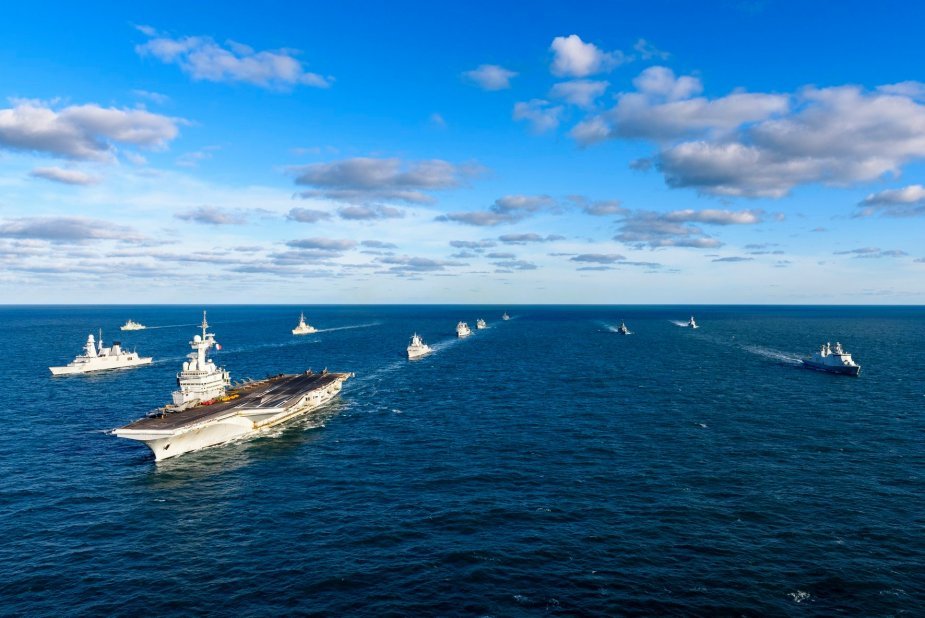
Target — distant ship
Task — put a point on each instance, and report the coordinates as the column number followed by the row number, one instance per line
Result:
column 98, row 358
column 130, row 325
column 833, row 361
column 303, row 328
column 462, row 330
column 691, row 323
column 623, row 330
column 505, row 316
column 204, row 413
column 480, row 324
column 417, row 347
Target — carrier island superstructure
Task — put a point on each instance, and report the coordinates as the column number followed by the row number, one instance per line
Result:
column 205, row 412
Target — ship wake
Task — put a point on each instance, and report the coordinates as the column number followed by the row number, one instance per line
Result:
column 772, row 354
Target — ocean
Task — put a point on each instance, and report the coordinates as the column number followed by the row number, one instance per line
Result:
column 543, row 466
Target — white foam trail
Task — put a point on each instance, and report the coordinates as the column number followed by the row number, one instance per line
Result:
column 772, row 354
column 329, row 330
column 169, row 326
column 677, row 323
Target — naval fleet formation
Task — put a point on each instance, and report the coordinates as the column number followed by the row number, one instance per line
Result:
column 206, row 410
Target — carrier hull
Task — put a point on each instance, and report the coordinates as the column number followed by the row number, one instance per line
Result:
column 245, row 410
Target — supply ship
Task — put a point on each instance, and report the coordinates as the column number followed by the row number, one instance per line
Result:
column 833, row 360
column 206, row 412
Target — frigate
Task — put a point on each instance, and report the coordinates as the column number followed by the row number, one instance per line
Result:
column 96, row 357
column 303, row 328
column 462, row 330
column 417, row 347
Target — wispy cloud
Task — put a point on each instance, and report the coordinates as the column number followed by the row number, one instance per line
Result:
column 904, row 202
column 328, row 244
column 505, row 210
column 733, row 258
column 490, row 77
column 202, row 58
column 542, row 115
column 66, row 229
column 307, row 215
column 599, row 258
column 529, row 237
column 580, row 92
column 64, row 176
column 601, row 208
column 872, row 253
column 212, row 215
column 643, row 228
column 362, row 179
column 365, row 213
column 405, row 263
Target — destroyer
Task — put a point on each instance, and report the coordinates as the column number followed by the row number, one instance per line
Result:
column 462, row 330
column 480, row 324
column 303, row 328
column 833, row 360
column 623, row 330
column 505, row 316
column 131, row 325
column 205, row 413
column 417, row 347
column 98, row 358
column 691, row 323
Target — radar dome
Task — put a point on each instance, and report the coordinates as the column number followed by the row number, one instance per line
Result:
column 197, row 339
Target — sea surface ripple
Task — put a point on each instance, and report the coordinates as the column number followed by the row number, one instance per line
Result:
column 545, row 465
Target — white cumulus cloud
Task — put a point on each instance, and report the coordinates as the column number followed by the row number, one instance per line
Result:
column 88, row 132
column 572, row 57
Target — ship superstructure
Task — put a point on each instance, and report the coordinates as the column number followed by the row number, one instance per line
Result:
column 480, row 324
column 96, row 357
column 303, row 327
column 206, row 413
column 200, row 380
column 132, row 325
column 833, row 360
column 462, row 330
column 417, row 347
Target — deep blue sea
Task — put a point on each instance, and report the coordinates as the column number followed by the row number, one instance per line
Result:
column 544, row 466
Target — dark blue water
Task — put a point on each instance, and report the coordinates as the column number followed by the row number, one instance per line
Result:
column 542, row 466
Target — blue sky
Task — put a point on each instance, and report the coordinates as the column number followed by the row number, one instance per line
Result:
column 659, row 152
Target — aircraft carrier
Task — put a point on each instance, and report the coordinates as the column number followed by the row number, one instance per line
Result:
column 205, row 412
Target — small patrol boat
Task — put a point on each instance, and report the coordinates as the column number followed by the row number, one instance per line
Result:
column 833, row 360
column 417, row 347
